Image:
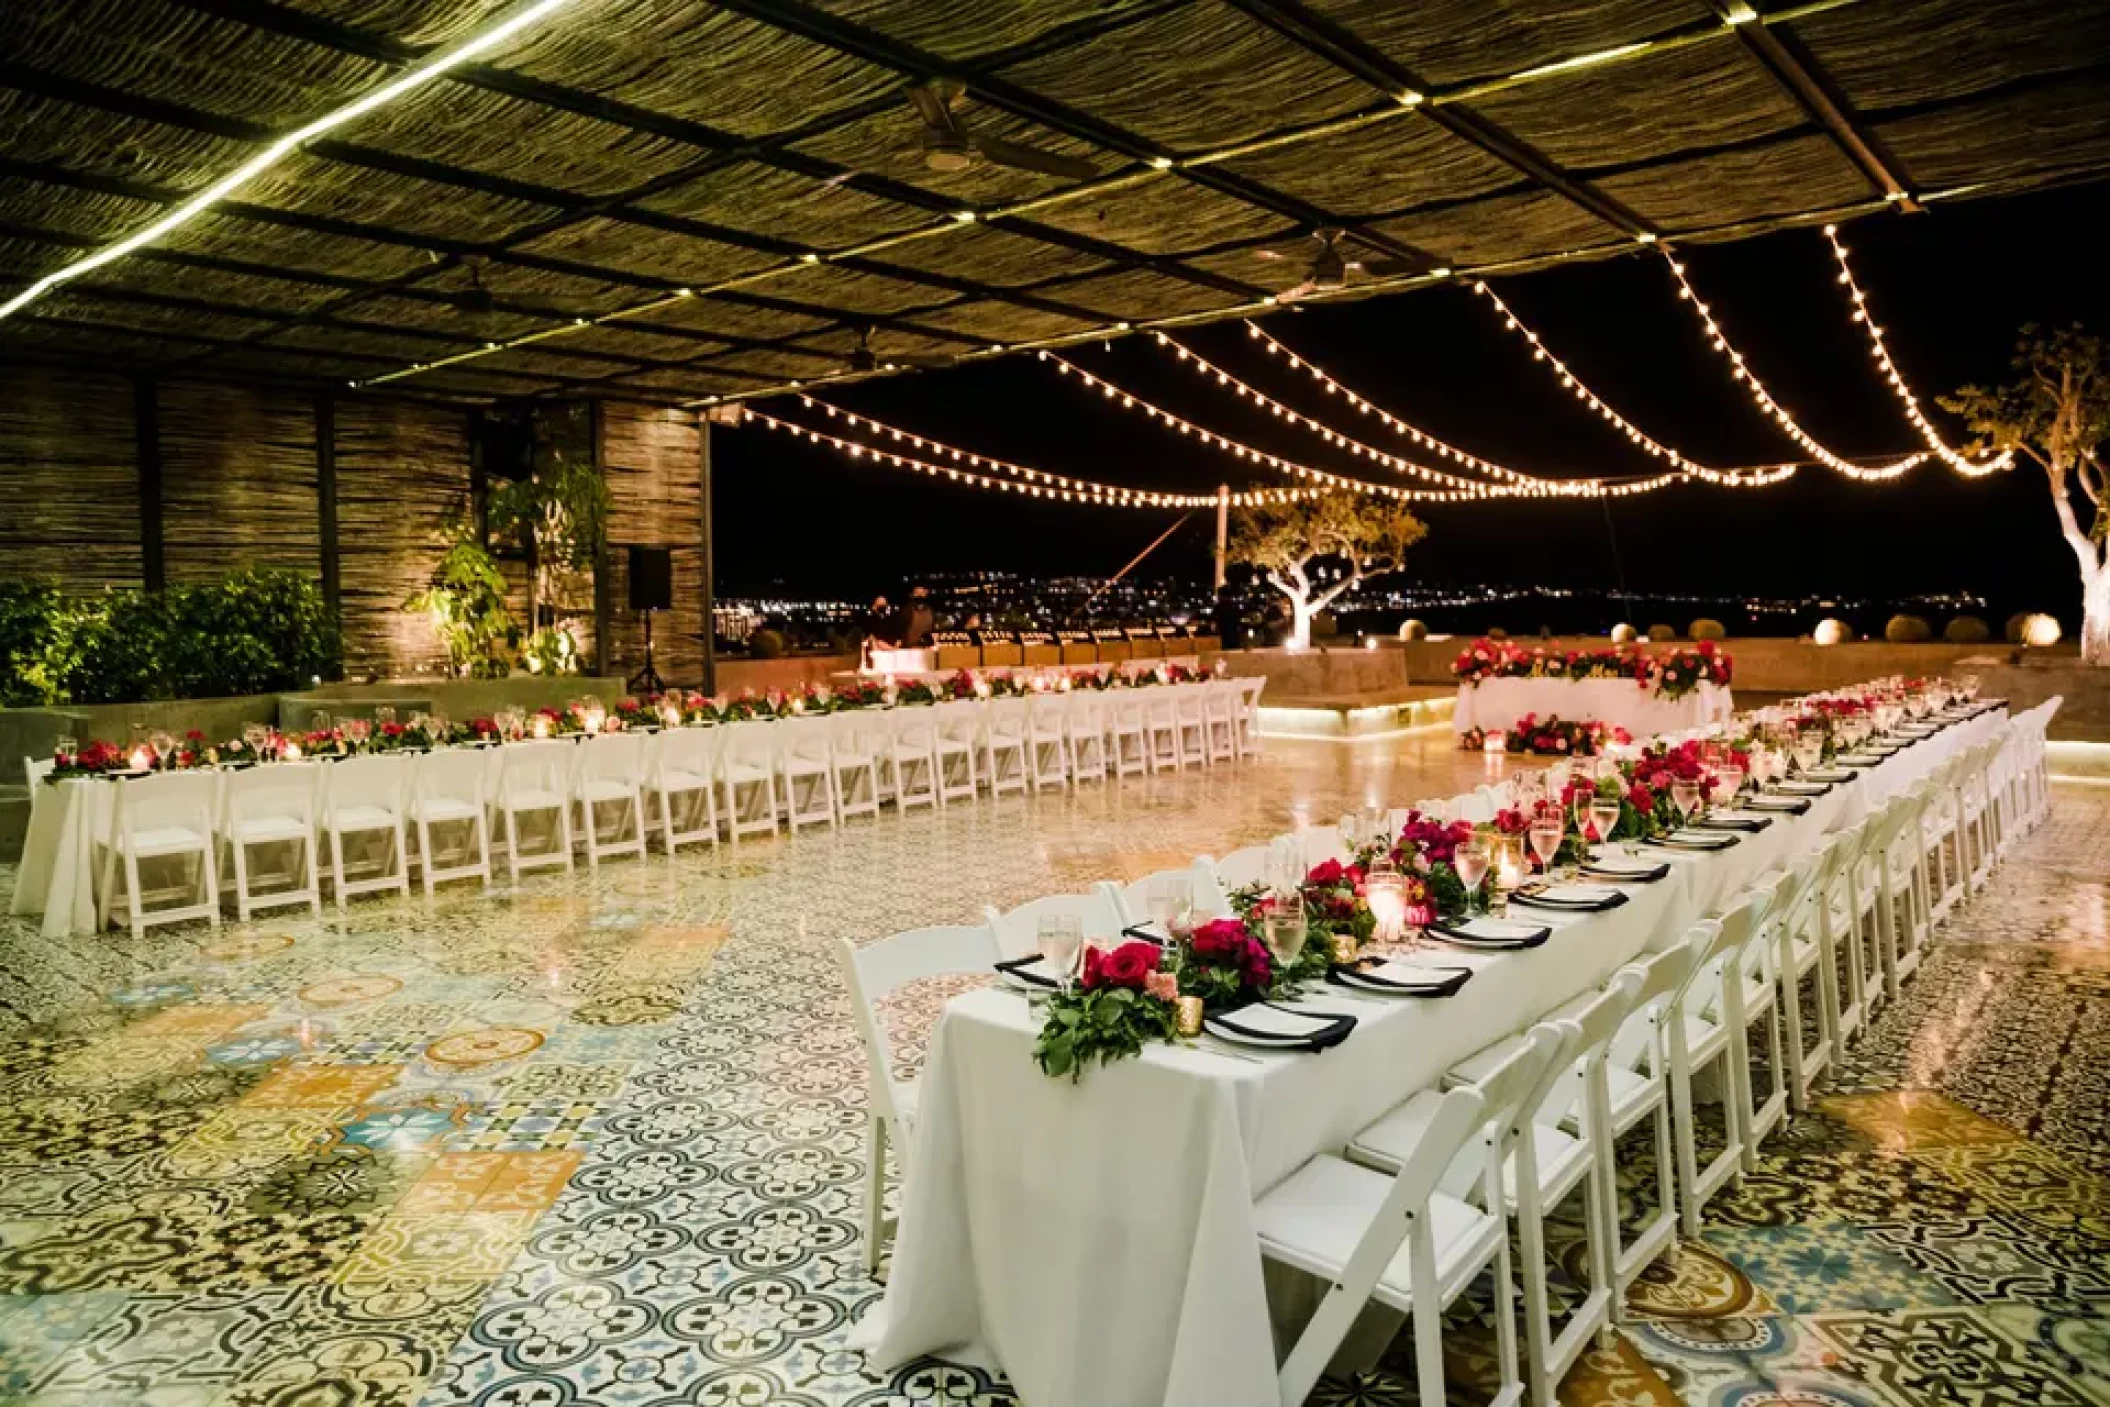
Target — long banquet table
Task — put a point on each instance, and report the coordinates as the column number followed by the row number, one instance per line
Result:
column 1497, row 704
column 1095, row 1241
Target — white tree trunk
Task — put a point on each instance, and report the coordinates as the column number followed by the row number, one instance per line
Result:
column 2095, row 614
column 1300, row 614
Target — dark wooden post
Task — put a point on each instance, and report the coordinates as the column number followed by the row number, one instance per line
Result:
column 710, row 595
column 603, row 600
column 146, row 442
column 326, row 500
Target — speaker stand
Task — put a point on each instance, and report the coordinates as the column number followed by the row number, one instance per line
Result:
column 647, row 680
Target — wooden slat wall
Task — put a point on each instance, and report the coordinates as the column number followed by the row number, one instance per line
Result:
column 69, row 485
column 238, row 480
column 653, row 460
column 402, row 470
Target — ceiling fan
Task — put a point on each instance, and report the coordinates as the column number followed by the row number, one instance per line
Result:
column 863, row 357
column 948, row 146
column 1329, row 271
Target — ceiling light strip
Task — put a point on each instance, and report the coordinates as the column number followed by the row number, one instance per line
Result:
column 413, row 78
column 1719, row 340
column 1728, row 478
column 1962, row 463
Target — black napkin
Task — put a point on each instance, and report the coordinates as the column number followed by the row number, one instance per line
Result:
column 1562, row 906
column 1016, row 967
column 1733, row 823
column 1363, row 977
column 1453, row 933
column 1621, row 876
column 1329, row 1029
column 1722, row 841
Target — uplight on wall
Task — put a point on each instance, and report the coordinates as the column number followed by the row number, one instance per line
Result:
column 2040, row 631
column 1832, row 631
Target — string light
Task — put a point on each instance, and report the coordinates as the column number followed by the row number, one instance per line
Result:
column 1078, row 491
column 1719, row 340
column 1473, row 493
column 1961, row 463
column 1296, row 417
column 1115, row 493
column 1580, row 488
column 1727, row 478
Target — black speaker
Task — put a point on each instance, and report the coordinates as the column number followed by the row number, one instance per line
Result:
column 651, row 579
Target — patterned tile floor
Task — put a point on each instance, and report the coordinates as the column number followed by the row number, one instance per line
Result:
column 596, row 1139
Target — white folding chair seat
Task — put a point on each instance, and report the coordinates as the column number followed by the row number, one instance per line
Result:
column 535, row 780
column 747, row 762
column 681, row 766
column 805, row 767
column 448, row 790
column 1006, row 745
column 860, row 742
column 608, row 784
column 166, row 816
column 271, row 806
column 871, row 973
column 366, row 799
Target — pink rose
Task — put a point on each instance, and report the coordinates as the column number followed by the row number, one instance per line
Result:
column 1162, row 985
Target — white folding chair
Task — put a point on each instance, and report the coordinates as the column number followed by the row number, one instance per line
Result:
column 959, row 733
column 859, row 747
column 679, row 767
column 608, row 782
column 1440, row 1191
column 1048, row 740
column 164, row 817
column 366, row 799
column 1705, row 1028
column 1128, row 750
column 534, row 779
column 1016, row 932
column 912, row 756
column 1220, row 713
column 1006, row 745
column 1637, row 1087
column 1808, row 954
column 448, row 788
column 805, row 767
column 1085, row 722
column 747, row 776
column 1161, row 726
column 271, row 808
column 1757, row 1002
column 871, row 973
column 1190, row 722
column 1249, row 714
column 35, row 770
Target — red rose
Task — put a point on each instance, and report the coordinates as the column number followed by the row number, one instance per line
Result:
column 1325, row 873
column 1129, row 965
column 1220, row 938
column 1641, row 799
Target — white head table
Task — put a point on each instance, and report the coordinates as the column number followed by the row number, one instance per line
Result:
column 1095, row 1241
column 1497, row 704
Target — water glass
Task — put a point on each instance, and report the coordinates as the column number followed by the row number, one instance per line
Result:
column 1547, row 832
column 1686, row 797
column 1604, row 816
column 1283, row 926
column 1061, row 939
column 1472, row 861
column 1171, row 902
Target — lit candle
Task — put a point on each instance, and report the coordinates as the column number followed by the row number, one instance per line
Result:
column 1388, row 905
column 292, row 752
column 141, row 759
column 1497, row 741
column 541, row 726
column 670, row 715
column 593, row 720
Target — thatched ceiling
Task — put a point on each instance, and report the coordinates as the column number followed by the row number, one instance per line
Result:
column 624, row 149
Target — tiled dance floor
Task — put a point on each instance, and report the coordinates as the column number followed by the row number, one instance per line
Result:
column 597, row 1139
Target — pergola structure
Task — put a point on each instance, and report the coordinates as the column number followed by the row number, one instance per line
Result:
column 685, row 201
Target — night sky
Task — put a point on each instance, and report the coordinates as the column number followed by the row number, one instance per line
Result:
column 1950, row 287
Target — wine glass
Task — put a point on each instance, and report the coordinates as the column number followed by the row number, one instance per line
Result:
column 1471, row 861
column 1061, row 939
column 1685, row 796
column 1731, row 780
column 1604, row 817
column 1809, row 751
column 1171, row 902
column 319, row 721
column 1351, row 828
column 384, row 713
column 1547, row 832
column 1283, row 927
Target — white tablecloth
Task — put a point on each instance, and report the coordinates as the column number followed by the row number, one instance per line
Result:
column 1495, row 704
column 1095, row 1241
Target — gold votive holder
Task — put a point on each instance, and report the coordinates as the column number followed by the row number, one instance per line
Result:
column 1345, row 949
column 1188, row 1016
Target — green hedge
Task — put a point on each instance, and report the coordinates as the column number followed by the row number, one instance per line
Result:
column 255, row 632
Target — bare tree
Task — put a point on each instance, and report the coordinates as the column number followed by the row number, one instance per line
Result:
column 1286, row 541
column 2056, row 412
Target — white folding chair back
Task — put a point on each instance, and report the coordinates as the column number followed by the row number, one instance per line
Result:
column 1161, row 726
column 36, row 769
column 1048, row 739
column 805, row 769
column 608, row 785
column 1016, row 933
column 959, row 726
column 448, row 789
column 1190, row 714
column 1085, row 721
column 535, row 780
column 163, row 817
column 912, row 756
column 682, row 766
column 365, row 801
column 747, row 770
column 1249, row 714
column 1220, row 714
column 872, row 973
column 1127, row 734
column 271, row 809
